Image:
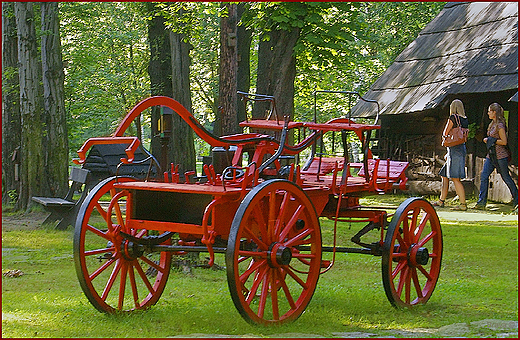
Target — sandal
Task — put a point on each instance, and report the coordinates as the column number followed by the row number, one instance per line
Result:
column 460, row 207
column 439, row 203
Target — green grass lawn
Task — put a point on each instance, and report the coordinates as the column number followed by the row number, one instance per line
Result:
column 479, row 280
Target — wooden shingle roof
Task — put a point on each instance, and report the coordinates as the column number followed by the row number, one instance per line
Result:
column 469, row 47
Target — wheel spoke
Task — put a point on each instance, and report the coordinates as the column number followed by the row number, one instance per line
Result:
column 101, row 269
column 264, row 291
column 254, row 266
column 400, row 266
column 286, row 290
column 142, row 274
column 255, row 239
column 293, row 241
column 425, row 273
column 413, row 223
column 401, row 241
column 282, row 213
column 111, row 280
column 119, row 214
column 426, row 239
column 303, row 256
column 98, row 251
column 273, row 208
column 407, row 285
column 422, row 225
column 101, row 211
column 258, row 216
column 96, row 231
column 402, row 280
column 122, row 285
column 296, row 277
column 260, row 274
column 416, row 283
column 274, row 294
column 294, row 218
column 133, row 284
column 151, row 264
column 405, row 230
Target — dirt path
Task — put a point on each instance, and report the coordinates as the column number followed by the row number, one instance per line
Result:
column 27, row 221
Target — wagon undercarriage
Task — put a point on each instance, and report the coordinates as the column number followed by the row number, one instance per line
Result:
column 263, row 216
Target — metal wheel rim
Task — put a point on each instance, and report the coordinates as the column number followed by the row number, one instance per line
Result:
column 414, row 228
column 128, row 290
column 251, row 275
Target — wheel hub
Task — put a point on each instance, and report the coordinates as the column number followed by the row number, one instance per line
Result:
column 418, row 256
column 422, row 256
column 279, row 255
column 131, row 250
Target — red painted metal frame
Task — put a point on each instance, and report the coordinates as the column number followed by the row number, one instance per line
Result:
column 228, row 193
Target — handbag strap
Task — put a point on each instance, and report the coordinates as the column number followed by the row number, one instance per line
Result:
column 457, row 118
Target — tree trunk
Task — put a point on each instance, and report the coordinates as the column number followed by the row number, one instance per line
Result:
column 228, row 71
column 11, row 123
column 263, row 77
column 277, row 71
column 244, row 70
column 181, row 146
column 30, row 106
column 159, row 69
column 54, row 116
column 284, row 70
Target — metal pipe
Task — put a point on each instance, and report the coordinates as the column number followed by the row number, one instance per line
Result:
column 196, row 249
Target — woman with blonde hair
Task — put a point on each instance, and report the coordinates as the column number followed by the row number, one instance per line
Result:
column 455, row 166
column 497, row 157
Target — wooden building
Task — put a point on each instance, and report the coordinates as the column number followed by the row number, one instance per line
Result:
column 469, row 51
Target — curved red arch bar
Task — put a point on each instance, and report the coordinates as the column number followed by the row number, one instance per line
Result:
column 175, row 106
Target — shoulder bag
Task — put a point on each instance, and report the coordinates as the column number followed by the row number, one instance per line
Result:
column 457, row 135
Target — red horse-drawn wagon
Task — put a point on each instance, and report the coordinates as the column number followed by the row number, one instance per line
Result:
column 261, row 209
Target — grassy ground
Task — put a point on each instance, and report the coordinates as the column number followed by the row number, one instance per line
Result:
column 479, row 280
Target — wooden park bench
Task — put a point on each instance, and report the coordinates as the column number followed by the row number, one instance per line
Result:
column 64, row 210
column 102, row 162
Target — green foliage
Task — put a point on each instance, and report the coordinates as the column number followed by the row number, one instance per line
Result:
column 106, row 57
column 342, row 46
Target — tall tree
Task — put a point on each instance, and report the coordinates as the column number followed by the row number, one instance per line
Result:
column 159, row 68
column 31, row 172
column 228, row 70
column 11, row 122
column 244, row 38
column 55, row 136
column 276, row 71
column 181, row 147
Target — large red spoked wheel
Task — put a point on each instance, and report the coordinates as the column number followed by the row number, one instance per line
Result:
column 114, row 273
column 273, row 256
column 412, row 253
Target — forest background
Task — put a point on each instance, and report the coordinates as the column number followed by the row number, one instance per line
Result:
column 72, row 70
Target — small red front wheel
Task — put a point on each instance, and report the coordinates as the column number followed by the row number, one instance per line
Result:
column 274, row 253
column 114, row 273
column 412, row 253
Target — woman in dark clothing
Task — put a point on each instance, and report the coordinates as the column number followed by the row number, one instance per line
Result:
column 455, row 166
column 497, row 157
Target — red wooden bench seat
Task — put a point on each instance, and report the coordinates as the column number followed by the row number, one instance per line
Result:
column 390, row 174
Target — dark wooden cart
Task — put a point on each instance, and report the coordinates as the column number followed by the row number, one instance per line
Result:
column 263, row 215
